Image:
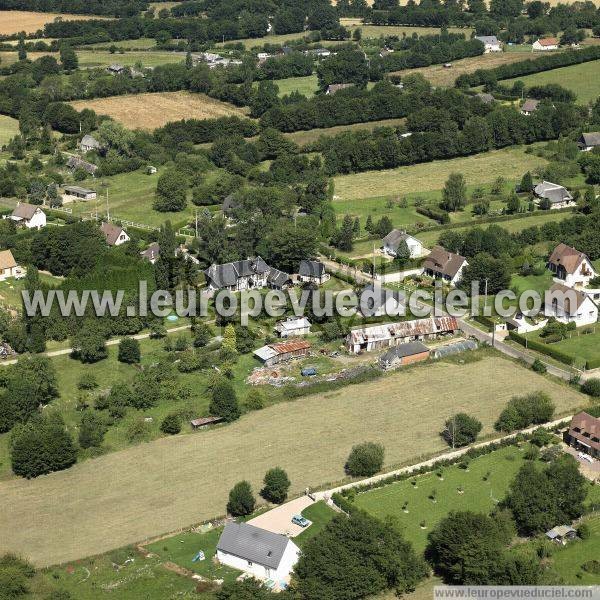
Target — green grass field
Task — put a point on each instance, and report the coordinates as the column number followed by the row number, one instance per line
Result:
column 583, row 79
column 103, row 58
column 312, row 135
column 304, row 85
column 581, row 346
column 139, row 44
column 539, row 283
column 162, row 486
column 9, row 127
column 478, row 169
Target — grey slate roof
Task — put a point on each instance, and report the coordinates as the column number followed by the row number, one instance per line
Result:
column 277, row 278
column 311, row 268
column 75, row 162
column 227, row 274
column 394, row 237
column 402, row 350
column 78, row 190
column 89, row 141
column 488, row 39
column 253, row 544
column 381, row 294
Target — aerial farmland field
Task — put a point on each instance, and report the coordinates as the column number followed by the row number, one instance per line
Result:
column 14, row 21
column 173, row 482
column 149, row 111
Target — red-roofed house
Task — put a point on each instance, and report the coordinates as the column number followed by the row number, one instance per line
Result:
column 550, row 43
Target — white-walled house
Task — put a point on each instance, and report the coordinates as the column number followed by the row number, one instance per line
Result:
column 115, row 235
column 571, row 267
column 569, row 305
column 589, row 141
column 445, row 265
column 392, row 241
column 557, row 195
column 28, row 215
column 490, row 42
column 258, row 552
column 8, row 266
column 545, row 44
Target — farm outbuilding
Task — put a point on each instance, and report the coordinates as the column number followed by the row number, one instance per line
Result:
column 378, row 337
column 271, row 354
column 404, row 354
column 205, row 422
column 454, row 348
column 80, row 193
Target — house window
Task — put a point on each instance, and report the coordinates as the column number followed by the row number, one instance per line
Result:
column 250, row 563
column 577, row 429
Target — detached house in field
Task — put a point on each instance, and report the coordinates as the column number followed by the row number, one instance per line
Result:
column 114, row 234
column 392, row 241
column 558, row 195
column 545, row 44
column 490, row 42
column 8, row 266
column 252, row 273
column 589, row 141
column 312, row 271
column 572, row 267
column 88, row 143
column 444, row 265
column 258, row 552
column 28, row 215
column 529, row 106
column 584, row 434
column 568, row 305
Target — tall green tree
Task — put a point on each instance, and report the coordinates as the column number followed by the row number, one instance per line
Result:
column 241, row 500
column 454, row 195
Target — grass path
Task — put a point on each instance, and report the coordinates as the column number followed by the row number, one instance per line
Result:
column 162, row 486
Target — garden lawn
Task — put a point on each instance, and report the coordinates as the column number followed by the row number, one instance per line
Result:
column 539, row 283
column 307, row 86
column 9, row 127
column 478, row 169
column 581, row 346
column 182, row 548
column 319, row 514
column 168, row 484
column 583, row 79
column 484, row 484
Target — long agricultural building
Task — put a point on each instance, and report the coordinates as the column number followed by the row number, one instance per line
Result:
column 379, row 337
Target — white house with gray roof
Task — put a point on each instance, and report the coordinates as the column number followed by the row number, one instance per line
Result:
column 249, row 274
column 392, row 241
column 490, row 42
column 258, row 552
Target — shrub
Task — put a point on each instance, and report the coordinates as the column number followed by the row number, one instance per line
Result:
column 254, row 400
column 365, row 459
column 91, row 430
column 276, row 485
column 591, row 387
column 592, row 566
column 129, row 351
column 224, row 401
column 171, row 424
column 538, row 366
column 584, row 532
column 87, row 382
column 241, row 500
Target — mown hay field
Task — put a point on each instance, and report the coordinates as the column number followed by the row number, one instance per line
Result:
column 170, row 483
column 14, row 21
column 149, row 111
column 9, row 127
column 479, row 169
column 440, row 75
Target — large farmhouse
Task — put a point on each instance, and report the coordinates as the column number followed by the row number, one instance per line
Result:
column 379, row 337
column 258, row 552
column 490, row 43
column 444, row 265
column 252, row 273
column 569, row 305
column 545, row 44
column 572, row 267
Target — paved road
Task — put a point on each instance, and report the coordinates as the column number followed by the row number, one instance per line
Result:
column 511, row 351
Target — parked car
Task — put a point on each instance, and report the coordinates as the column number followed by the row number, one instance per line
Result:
column 308, row 372
column 300, row 520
